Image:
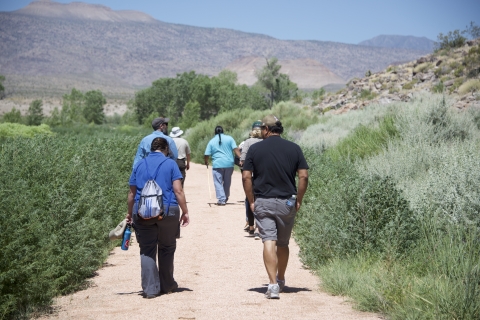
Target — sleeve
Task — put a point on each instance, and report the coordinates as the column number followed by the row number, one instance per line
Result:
column 133, row 176
column 248, row 163
column 140, row 154
column 173, row 154
column 208, row 150
column 245, row 148
column 234, row 144
column 176, row 174
column 302, row 163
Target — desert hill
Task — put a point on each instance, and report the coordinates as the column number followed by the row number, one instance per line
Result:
column 306, row 73
column 50, row 47
column 403, row 42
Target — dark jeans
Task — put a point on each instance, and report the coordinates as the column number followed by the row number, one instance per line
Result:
column 182, row 165
column 157, row 237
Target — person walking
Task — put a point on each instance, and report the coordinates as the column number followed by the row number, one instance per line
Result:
column 153, row 235
column 183, row 150
column 255, row 136
column 268, row 180
column 220, row 147
column 160, row 129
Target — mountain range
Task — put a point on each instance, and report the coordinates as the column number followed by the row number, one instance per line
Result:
column 50, row 47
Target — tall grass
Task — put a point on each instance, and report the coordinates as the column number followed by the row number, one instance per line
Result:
column 59, row 196
column 393, row 222
column 237, row 123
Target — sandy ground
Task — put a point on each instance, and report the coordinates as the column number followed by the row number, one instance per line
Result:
column 219, row 270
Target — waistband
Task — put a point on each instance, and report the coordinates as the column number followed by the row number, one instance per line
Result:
column 281, row 198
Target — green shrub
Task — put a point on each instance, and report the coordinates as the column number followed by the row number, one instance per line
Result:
column 471, row 85
column 367, row 95
column 13, row 116
column 61, row 204
column 438, row 88
column 409, row 85
column 20, row 130
column 422, row 67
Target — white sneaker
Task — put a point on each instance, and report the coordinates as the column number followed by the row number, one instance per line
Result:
column 273, row 291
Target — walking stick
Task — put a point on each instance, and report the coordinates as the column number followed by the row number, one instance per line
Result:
column 208, row 179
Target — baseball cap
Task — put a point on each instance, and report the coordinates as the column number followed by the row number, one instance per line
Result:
column 117, row 233
column 159, row 121
column 270, row 120
column 257, row 124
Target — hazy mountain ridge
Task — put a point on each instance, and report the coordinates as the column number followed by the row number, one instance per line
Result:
column 136, row 53
column 403, row 42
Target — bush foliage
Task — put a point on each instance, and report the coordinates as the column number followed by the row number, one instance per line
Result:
column 63, row 194
column 394, row 222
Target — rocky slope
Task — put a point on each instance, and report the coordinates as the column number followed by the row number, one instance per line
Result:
column 443, row 71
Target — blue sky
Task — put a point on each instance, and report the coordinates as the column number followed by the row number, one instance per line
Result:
column 336, row 20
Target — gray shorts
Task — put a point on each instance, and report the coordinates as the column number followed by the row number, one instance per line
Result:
column 274, row 220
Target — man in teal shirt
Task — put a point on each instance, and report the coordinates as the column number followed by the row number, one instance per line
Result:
column 220, row 148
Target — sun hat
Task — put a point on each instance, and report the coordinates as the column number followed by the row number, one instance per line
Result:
column 176, row 132
column 117, row 233
column 257, row 124
column 157, row 122
column 270, row 121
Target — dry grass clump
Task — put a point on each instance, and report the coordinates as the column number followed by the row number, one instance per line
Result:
column 469, row 86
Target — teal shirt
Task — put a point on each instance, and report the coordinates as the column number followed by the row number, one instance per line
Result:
column 222, row 155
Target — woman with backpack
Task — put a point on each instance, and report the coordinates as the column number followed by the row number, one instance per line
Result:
column 156, row 226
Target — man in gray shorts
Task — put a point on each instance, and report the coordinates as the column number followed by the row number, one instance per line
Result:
column 268, row 179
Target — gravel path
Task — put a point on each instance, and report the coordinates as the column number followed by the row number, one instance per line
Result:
column 219, row 270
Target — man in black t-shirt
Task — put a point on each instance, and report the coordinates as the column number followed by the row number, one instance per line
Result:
column 273, row 196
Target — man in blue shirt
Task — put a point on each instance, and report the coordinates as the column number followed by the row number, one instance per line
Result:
column 160, row 127
column 220, row 148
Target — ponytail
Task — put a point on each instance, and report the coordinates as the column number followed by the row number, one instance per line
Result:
column 219, row 130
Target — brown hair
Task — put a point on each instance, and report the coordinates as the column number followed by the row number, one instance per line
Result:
column 159, row 144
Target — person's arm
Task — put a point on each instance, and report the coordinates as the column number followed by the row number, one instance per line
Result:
column 205, row 159
column 182, row 202
column 248, row 187
column 302, row 186
column 237, row 152
column 188, row 161
column 130, row 202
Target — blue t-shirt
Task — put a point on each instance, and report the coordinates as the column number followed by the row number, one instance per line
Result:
column 145, row 146
column 222, row 155
column 168, row 173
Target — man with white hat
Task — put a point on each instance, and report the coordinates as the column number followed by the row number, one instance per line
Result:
column 183, row 148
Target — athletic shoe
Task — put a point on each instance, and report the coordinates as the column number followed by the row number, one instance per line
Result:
column 220, row 204
column 281, row 284
column 257, row 236
column 246, row 228
column 273, row 292
column 251, row 232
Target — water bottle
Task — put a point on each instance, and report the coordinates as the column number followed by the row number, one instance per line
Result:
column 291, row 201
column 126, row 237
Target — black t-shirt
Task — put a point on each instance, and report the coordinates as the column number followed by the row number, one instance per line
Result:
column 274, row 163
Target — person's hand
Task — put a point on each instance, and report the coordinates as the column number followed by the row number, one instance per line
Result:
column 297, row 205
column 188, row 166
column 129, row 218
column 184, row 219
column 241, row 163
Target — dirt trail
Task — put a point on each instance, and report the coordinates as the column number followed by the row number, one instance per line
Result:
column 219, row 270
